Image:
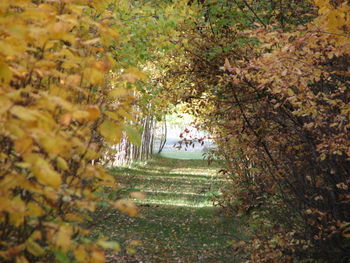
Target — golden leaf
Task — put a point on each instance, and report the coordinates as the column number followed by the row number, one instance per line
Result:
column 43, row 171
column 97, row 256
column 73, row 80
column 59, row 101
column 74, row 217
column 62, row 164
column 118, row 93
column 80, row 115
column 62, row 239
column 21, row 259
column 133, row 74
column 16, row 205
column 126, row 206
column 23, row 145
column 37, row 234
column 34, row 248
column 112, row 115
column 86, row 204
column 110, row 131
column 127, row 115
column 5, row 104
column 346, row 231
column 103, row 65
column 66, row 119
column 50, row 194
column 17, row 211
column 7, row 49
column 94, row 76
column 94, row 113
column 54, row 145
column 34, row 209
column 5, row 73
column 81, row 255
column 23, row 113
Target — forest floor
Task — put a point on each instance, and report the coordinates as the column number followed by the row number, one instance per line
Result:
column 177, row 222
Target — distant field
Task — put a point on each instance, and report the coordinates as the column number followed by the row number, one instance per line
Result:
column 182, row 155
column 192, row 153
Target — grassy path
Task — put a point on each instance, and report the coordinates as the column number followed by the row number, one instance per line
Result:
column 178, row 222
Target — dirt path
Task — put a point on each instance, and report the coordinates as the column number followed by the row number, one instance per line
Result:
column 178, row 222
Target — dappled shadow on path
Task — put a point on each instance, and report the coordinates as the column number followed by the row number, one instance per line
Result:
column 178, row 222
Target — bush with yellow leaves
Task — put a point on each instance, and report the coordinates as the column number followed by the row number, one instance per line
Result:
column 56, row 113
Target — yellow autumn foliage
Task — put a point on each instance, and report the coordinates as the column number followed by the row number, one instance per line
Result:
column 54, row 119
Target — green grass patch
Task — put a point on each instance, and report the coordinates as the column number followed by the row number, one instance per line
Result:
column 182, row 155
column 177, row 221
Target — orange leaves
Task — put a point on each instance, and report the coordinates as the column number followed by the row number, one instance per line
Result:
column 94, row 113
column 97, row 256
column 104, row 65
column 66, row 119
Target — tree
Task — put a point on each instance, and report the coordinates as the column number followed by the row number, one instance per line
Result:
column 55, row 119
column 272, row 91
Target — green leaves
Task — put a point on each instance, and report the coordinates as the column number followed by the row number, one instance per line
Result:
column 62, row 257
column 134, row 134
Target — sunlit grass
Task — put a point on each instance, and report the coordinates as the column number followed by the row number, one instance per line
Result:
column 177, row 219
column 183, row 155
column 191, row 184
column 165, row 182
column 155, row 191
column 177, row 177
column 175, row 203
column 203, row 172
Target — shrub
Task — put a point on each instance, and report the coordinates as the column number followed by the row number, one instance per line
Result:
column 56, row 115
